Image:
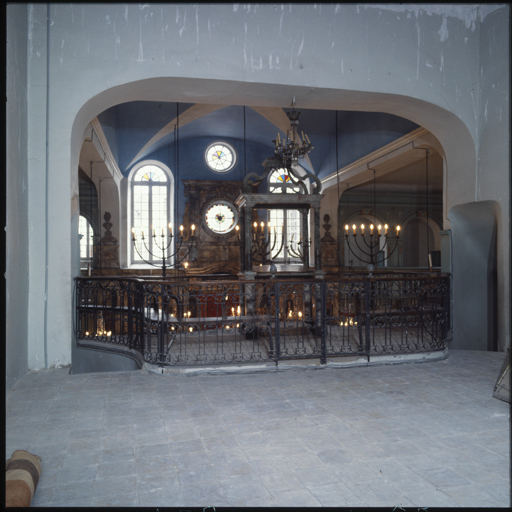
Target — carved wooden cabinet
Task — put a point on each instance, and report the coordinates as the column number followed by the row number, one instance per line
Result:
column 216, row 252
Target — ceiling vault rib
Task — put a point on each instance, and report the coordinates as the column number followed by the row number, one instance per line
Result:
column 191, row 114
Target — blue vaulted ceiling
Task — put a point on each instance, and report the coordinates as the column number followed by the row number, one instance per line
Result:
column 143, row 130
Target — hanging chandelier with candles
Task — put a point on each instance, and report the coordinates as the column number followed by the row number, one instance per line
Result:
column 288, row 151
column 292, row 147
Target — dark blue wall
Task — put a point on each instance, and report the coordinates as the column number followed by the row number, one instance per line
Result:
column 360, row 133
column 130, row 126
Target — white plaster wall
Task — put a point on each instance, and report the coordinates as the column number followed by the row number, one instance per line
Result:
column 36, row 152
column 16, row 201
column 417, row 62
column 494, row 146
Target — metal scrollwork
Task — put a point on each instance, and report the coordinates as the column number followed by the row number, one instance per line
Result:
column 199, row 323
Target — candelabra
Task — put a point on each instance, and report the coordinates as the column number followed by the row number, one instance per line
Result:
column 264, row 244
column 169, row 260
column 371, row 245
column 270, row 244
column 298, row 249
column 288, row 150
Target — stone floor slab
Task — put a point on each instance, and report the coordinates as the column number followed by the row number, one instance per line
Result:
column 295, row 498
column 333, row 495
column 423, row 435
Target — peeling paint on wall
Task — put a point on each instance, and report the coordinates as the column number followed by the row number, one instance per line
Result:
column 443, row 31
column 197, row 25
column 30, row 29
column 418, row 52
column 182, row 29
column 300, row 49
column 469, row 14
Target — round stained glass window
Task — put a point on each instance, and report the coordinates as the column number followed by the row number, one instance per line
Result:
column 220, row 157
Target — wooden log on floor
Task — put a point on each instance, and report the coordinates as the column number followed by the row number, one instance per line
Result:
column 22, row 472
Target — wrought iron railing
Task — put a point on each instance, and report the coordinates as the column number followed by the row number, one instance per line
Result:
column 225, row 322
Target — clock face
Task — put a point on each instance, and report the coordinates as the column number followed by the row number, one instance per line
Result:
column 220, row 217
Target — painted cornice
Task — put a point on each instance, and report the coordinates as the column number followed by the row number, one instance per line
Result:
column 394, row 149
column 108, row 157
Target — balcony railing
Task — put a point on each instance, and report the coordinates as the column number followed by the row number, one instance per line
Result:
column 234, row 322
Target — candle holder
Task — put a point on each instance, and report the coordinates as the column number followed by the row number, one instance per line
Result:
column 371, row 244
column 291, row 148
column 298, row 249
column 169, row 260
column 264, row 244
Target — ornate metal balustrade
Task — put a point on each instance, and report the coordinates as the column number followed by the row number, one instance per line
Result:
column 233, row 322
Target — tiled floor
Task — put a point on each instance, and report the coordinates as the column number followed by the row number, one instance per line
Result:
column 422, row 435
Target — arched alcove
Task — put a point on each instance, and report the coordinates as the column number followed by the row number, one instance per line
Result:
column 454, row 139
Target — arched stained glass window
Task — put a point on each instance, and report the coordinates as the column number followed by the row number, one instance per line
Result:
column 150, row 173
column 281, row 183
column 287, row 222
column 283, row 177
column 150, row 209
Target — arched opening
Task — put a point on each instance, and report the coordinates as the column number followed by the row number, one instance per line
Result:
column 95, row 106
column 404, row 190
